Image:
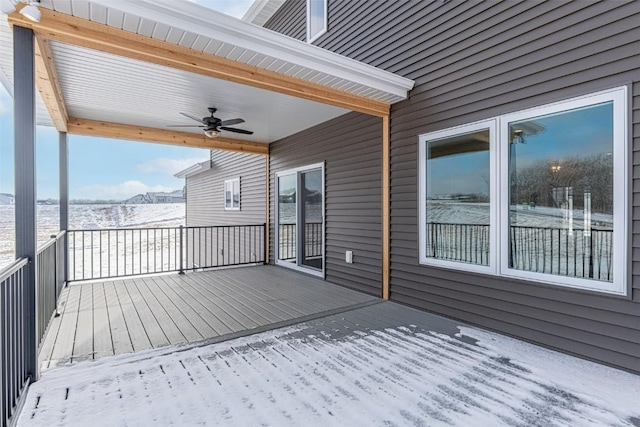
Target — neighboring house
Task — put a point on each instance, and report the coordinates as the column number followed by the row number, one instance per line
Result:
column 509, row 167
column 138, row 199
column 176, row 196
column 228, row 190
column 205, row 184
column 7, row 199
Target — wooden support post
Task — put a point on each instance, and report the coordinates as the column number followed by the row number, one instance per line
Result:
column 267, row 250
column 385, row 207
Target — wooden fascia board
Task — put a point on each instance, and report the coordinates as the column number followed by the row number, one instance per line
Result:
column 146, row 134
column 80, row 32
column 48, row 84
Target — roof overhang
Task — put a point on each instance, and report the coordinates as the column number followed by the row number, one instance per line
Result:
column 123, row 69
column 194, row 169
column 261, row 11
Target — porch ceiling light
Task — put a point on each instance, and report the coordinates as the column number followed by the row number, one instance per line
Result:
column 211, row 133
column 7, row 6
column 31, row 12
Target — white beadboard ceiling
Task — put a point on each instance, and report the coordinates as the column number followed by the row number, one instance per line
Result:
column 6, row 71
column 101, row 86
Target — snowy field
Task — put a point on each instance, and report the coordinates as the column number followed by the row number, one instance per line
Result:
column 337, row 372
column 92, row 217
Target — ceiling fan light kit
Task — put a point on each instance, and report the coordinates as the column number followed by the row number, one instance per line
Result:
column 213, row 125
column 211, row 133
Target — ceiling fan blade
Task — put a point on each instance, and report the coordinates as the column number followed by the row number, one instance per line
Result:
column 193, row 118
column 231, row 122
column 246, row 132
column 184, row 126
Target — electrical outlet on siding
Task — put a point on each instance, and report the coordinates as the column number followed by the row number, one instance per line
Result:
column 348, row 257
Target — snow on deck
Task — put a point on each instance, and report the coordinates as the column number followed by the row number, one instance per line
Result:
column 384, row 364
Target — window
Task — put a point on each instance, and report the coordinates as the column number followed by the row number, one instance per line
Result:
column 232, row 194
column 316, row 19
column 552, row 210
column 456, row 197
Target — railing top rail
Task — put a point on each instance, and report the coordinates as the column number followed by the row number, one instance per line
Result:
column 455, row 223
column 86, row 230
column 521, row 226
column 575, row 229
column 11, row 269
column 162, row 228
column 224, row 226
column 51, row 241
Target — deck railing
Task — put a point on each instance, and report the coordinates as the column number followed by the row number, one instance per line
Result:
column 287, row 240
column 221, row 246
column 13, row 347
column 575, row 253
column 99, row 254
column 558, row 251
column 50, row 280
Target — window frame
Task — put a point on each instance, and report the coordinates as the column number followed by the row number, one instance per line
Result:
column 312, row 38
column 295, row 171
column 499, row 193
column 491, row 125
column 231, row 182
column 618, row 96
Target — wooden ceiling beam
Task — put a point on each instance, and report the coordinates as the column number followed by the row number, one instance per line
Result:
column 80, row 32
column 147, row 134
column 48, row 84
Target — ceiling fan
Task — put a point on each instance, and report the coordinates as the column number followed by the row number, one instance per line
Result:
column 213, row 125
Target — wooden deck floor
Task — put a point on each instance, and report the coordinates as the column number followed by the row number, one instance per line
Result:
column 122, row 316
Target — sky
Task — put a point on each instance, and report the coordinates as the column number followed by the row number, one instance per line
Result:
column 103, row 168
column 578, row 133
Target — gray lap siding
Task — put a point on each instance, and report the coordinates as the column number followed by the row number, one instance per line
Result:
column 350, row 147
column 477, row 60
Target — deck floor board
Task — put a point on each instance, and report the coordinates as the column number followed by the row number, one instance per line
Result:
column 183, row 324
column 137, row 333
column 166, row 323
column 102, row 342
column 63, row 346
column 117, row 325
column 189, row 313
column 112, row 317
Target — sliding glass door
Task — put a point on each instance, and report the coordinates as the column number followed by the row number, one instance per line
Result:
column 300, row 218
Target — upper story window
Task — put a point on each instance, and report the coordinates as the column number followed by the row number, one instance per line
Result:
column 232, row 194
column 539, row 194
column 316, row 19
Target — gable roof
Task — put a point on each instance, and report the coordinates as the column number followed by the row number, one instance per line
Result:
column 261, row 11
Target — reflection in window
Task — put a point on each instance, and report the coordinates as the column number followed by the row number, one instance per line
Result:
column 316, row 19
column 287, row 218
column 458, row 197
column 561, row 193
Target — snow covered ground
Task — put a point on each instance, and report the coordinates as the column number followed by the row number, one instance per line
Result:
column 89, row 217
column 363, row 367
